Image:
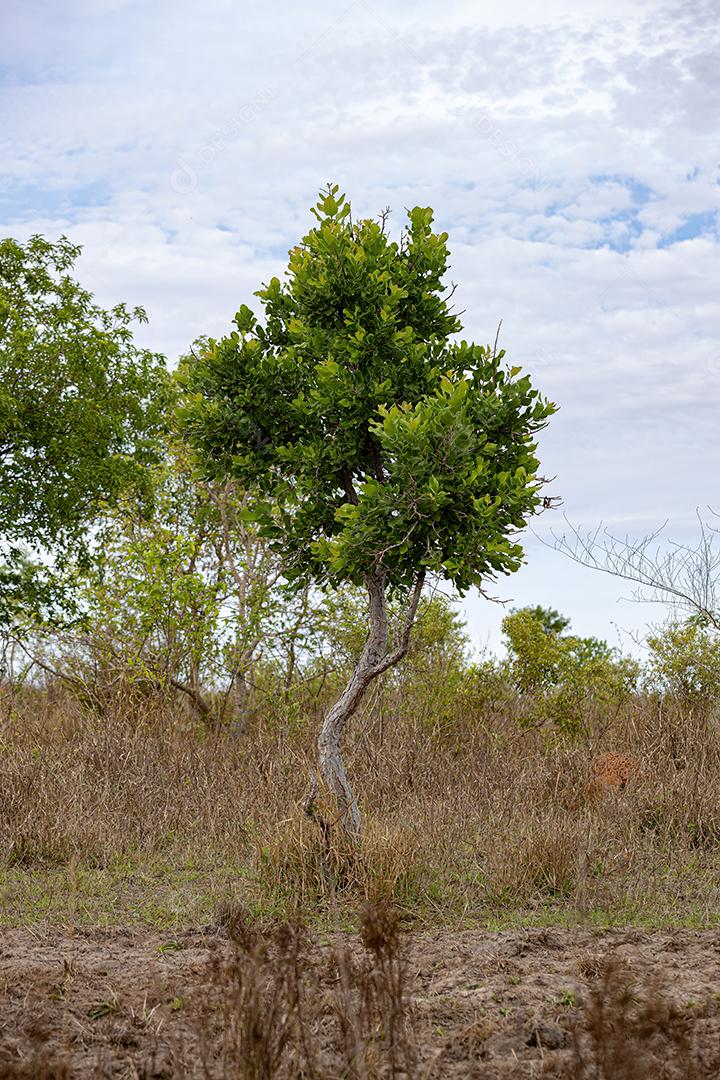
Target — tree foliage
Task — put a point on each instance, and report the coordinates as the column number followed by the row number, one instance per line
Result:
column 379, row 445
column 560, row 675
column 81, row 408
column 684, row 663
column 551, row 620
column 187, row 600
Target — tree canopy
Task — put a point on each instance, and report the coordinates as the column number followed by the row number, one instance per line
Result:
column 81, row 407
column 379, row 447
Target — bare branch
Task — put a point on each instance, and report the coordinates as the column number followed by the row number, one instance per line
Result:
column 71, row 680
column 687, row 578
column 497, row 338
column 195, row 696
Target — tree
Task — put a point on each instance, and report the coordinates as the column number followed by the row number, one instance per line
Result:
column 156, row 596
column 81, row 407
column 559, row 675
column 187, row 601
column 685, row 664
column 686, row 577
column 381, row 451
column 550, row 619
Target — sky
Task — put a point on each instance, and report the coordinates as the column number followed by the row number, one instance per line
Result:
column 570, row 149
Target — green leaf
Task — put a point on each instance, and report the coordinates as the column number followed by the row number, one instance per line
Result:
column 244, row 319
column 383, row 440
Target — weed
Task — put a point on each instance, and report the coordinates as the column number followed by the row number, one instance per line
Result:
column 635, row 1031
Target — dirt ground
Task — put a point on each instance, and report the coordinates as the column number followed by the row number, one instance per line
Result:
column 486, row 1005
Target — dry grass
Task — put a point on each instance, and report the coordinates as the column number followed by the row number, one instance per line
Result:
column 630, row 1030
column 468, row 821
column 131, row 814
column 267, row 1007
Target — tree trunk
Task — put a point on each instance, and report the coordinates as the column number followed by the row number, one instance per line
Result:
column 374, row 660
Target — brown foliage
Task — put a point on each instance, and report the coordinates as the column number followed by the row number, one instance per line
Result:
column 634, row 1031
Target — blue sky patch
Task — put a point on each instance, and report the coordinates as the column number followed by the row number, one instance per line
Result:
column 693, row 226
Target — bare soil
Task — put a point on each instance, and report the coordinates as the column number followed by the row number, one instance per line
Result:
column 484, row 1004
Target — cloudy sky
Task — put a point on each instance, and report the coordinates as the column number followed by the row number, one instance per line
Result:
column 571, row 149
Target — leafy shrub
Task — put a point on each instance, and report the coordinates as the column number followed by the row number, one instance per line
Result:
column 685, row 664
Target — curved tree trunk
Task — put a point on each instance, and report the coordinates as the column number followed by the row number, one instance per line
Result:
column 374, row 660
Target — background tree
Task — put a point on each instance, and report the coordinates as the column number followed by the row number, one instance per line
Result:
column 81, row 408
column 185, row 603
column 684, row 665
column 551, row 620
column 561, row 677
column 381, row 450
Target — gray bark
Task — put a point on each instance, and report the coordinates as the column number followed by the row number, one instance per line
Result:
column 374, row 660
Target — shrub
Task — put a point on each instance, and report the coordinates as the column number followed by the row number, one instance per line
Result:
column 685, row 664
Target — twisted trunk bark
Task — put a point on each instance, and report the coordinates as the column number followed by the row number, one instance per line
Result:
column 374, row 660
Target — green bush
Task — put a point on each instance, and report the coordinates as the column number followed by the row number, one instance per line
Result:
column 685, row 664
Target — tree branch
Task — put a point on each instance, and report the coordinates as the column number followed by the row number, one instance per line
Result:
column 684, row 577
column 347, row 485
column 401, row 649
column 195, row 696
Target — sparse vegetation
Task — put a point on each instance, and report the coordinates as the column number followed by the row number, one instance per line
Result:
column 277, row 1001
column 471, row 820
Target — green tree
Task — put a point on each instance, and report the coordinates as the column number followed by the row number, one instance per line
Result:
column 81, row 407
column 382, row 451
column 187, row 600
column 551, row 620
column 559, row 675
column 685, row 664
column 153, row 596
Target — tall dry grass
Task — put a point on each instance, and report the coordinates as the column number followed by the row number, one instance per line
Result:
column 468, row 819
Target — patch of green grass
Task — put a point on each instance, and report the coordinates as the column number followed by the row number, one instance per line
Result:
column 103, row 1008
column 155, row 895
column 169, row 895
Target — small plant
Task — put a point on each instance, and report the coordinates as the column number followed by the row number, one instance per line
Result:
column 263, row 1002
column 272, row 1005
column 169, row 946
column 374, row 1021
column 104, row 1008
